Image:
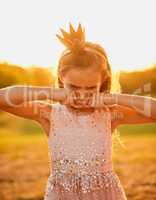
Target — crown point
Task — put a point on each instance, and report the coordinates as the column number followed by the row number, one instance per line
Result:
column 65, row 34
column 71, row 28
column 79, row 30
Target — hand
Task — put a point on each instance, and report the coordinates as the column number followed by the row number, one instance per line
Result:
column 77, row 98
column 101, row 99
column 97, row 100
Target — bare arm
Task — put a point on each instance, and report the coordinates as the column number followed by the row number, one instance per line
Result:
column 126, row 115
column 143, row 105
column 26, row 101
column 14, row 95
column 34, row 110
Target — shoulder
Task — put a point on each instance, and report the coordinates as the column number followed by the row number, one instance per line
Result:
column 54, row 110
column 43, row 109
column 48, row 112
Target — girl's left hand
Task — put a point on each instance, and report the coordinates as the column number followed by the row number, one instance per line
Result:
column 100, row 99
column 78, row 99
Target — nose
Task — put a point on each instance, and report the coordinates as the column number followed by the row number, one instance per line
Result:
column 84, row 94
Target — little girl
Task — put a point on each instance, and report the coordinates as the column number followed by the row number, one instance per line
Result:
column 79, row 126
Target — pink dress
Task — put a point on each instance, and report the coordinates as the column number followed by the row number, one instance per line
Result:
column 80, row 149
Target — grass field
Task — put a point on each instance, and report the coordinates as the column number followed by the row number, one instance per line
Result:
column 24, row 162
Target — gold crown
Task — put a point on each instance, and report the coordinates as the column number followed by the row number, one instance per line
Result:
column 74, row 40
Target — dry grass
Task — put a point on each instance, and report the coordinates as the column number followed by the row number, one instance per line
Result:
column 24, row 166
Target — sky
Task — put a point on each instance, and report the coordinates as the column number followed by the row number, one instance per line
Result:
column 125, row 28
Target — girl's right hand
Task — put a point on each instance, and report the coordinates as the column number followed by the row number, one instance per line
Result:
column 66, row 96
column 71, row 98
column 76, row 99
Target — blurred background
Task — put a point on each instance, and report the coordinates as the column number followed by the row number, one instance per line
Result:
column 29, row 53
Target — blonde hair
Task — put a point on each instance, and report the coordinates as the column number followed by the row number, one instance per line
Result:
column 81, row 54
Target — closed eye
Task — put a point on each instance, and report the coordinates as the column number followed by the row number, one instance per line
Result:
column 93, row 87
column 76, row 87
column 73, row 86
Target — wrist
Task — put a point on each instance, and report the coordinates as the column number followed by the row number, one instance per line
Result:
column 57, row 94
column 112, row 98
column 63, row 94
column 115, row 98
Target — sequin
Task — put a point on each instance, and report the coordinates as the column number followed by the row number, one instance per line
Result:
column 78, row 166
column 81, row 157
column 84, row 182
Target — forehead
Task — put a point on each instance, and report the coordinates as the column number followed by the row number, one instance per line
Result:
column 82, row 78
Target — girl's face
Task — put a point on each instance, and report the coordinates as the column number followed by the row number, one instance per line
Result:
column 85, row 80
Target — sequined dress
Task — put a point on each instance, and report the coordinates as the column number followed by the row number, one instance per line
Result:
column 80, row 150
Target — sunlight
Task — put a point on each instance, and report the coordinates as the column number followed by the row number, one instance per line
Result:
column 124, row 28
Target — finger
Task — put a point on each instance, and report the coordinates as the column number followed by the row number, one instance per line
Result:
column 67, row 100
column 89, row 95
column 71, row 98
column 77, row 94
column 76, row 98
column 93, row 100
column 101, row 100
column 97, row 99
